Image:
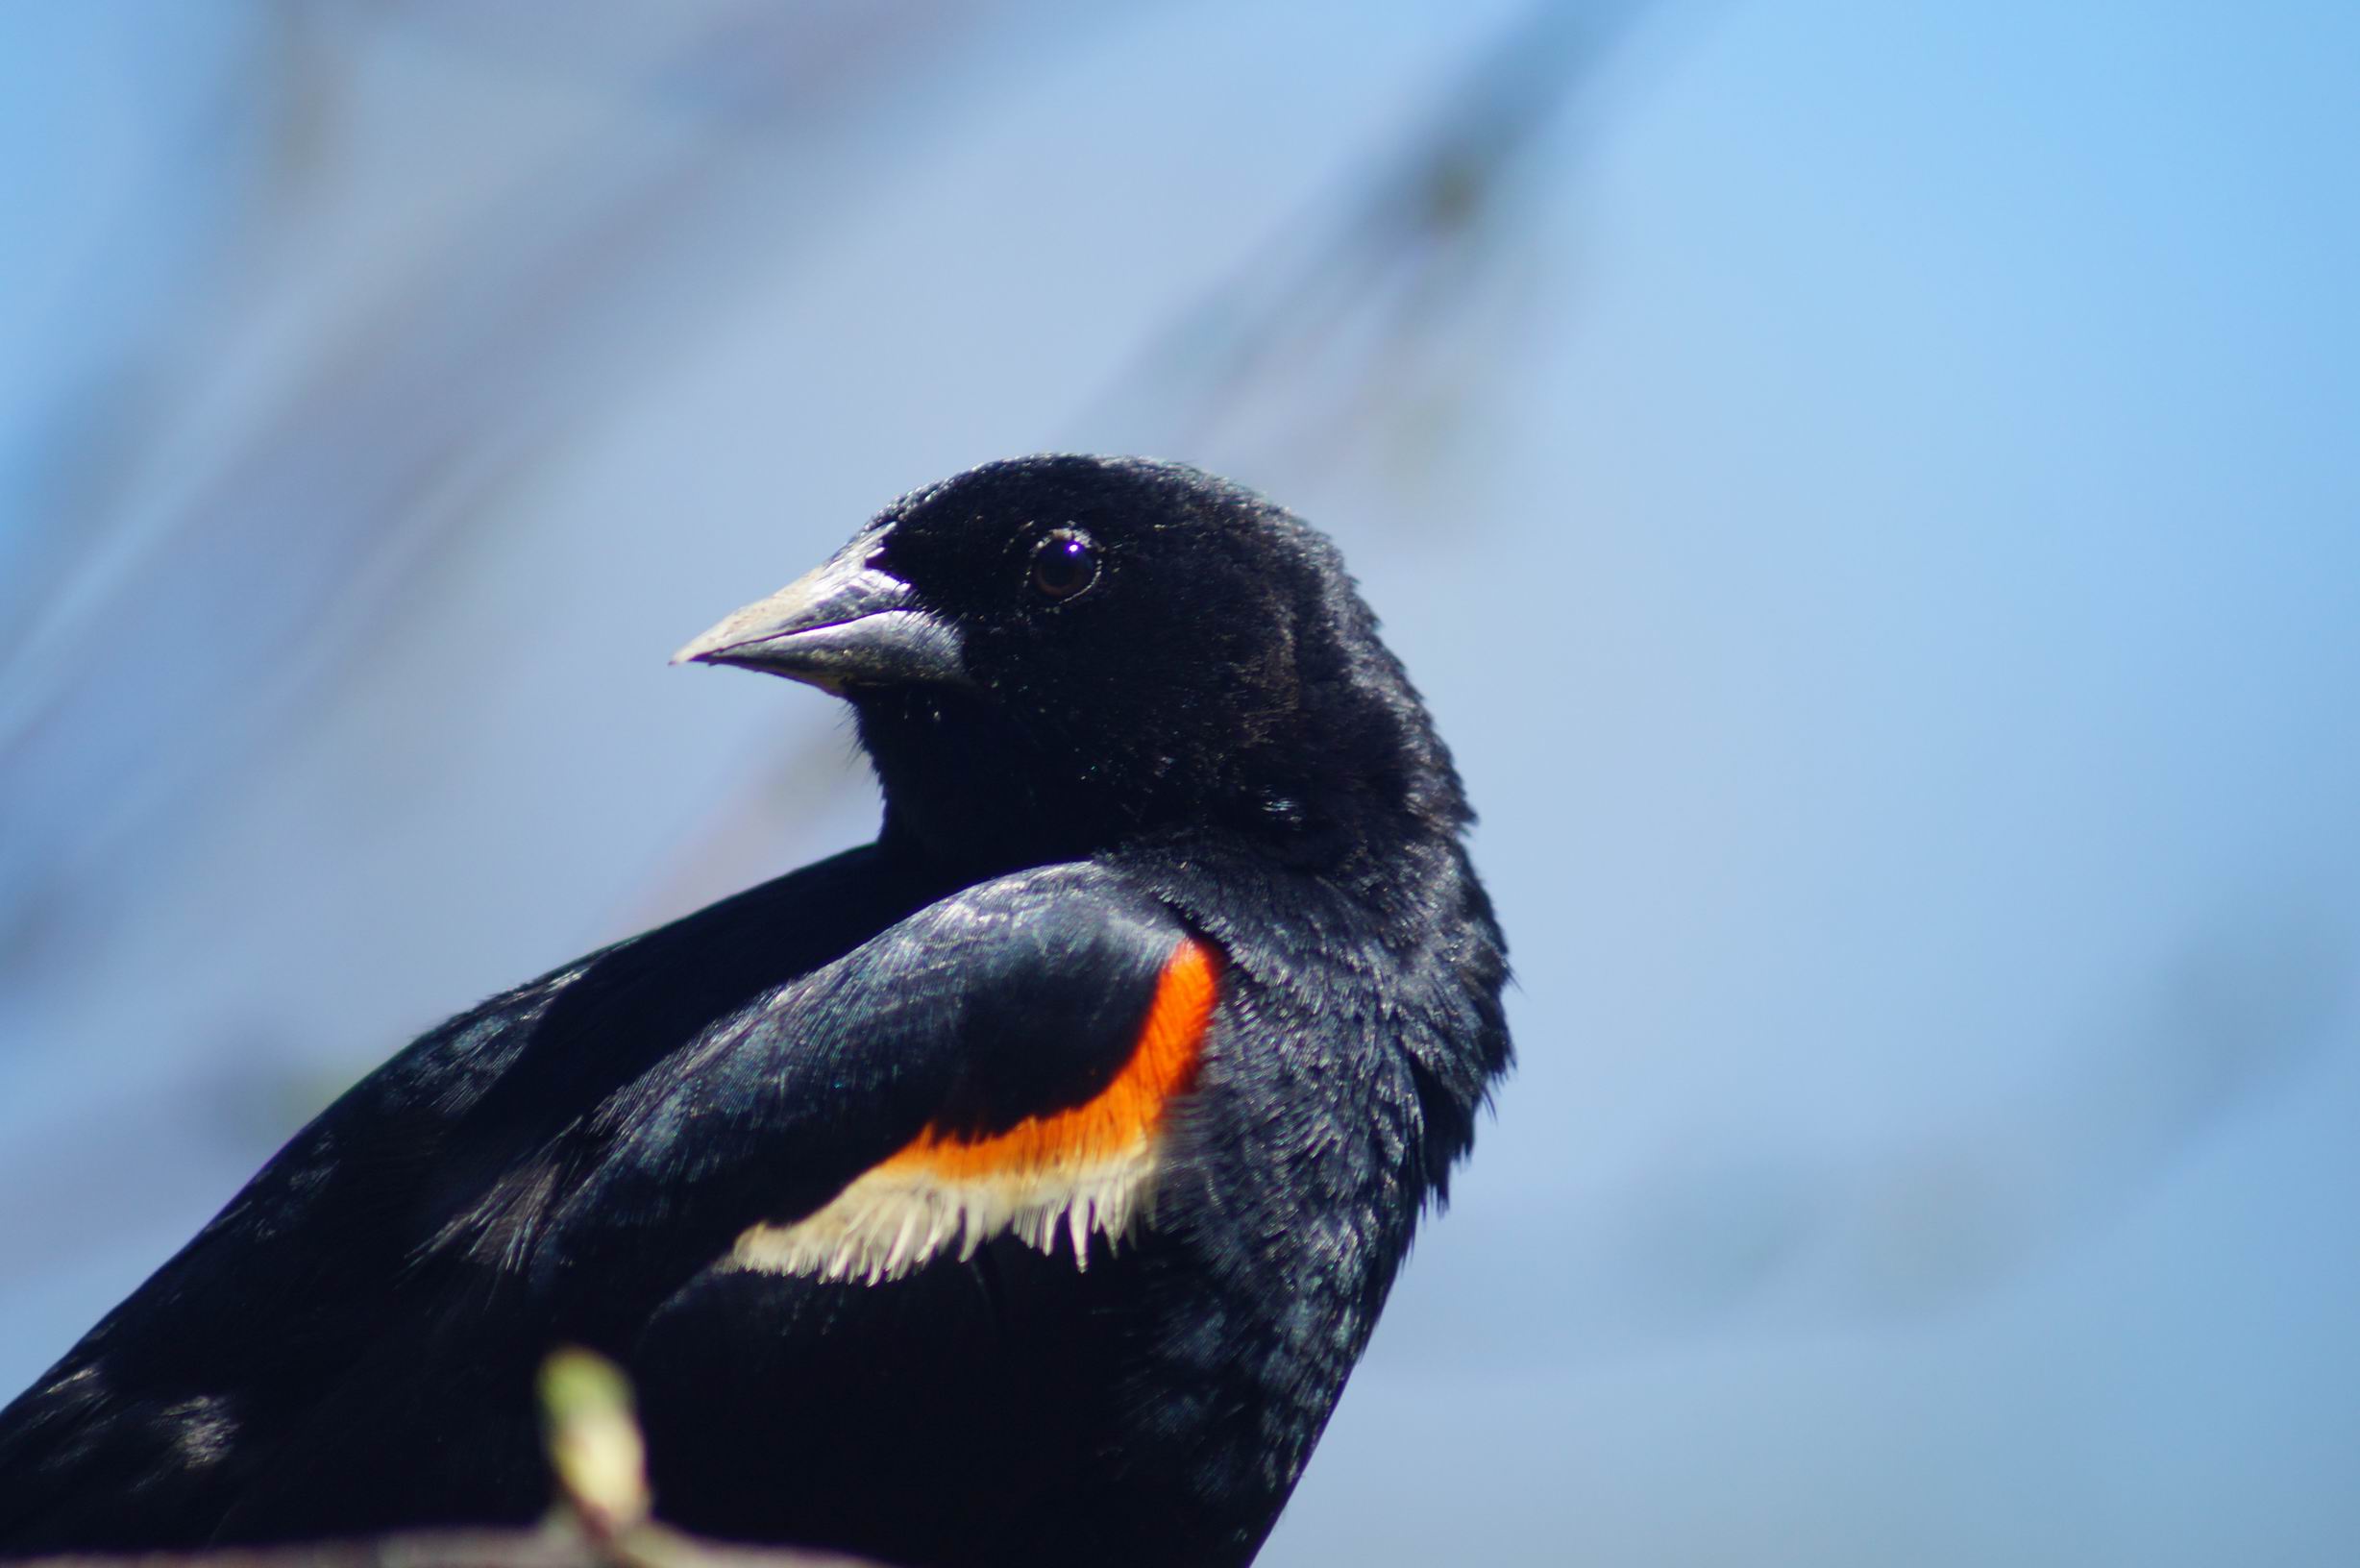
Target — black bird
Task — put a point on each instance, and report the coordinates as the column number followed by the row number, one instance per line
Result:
column 1018, row 1189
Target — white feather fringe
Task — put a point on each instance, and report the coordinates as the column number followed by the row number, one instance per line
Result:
column 890, row 1221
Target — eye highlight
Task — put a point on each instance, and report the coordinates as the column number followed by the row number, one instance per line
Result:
column 1065, row 563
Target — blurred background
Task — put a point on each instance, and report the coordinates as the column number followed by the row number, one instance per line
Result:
column 1871, row 492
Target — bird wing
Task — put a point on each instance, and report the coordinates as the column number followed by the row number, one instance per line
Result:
column 1001, row 1059
column 827, row 1075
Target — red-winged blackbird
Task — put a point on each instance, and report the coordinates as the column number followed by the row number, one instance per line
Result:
column 1018, row 1189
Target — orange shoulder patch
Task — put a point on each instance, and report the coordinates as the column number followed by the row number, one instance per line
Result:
column 1090, row 1169
column 1121, row 1116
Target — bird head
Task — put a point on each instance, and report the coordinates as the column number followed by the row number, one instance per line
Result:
column 1053, row 656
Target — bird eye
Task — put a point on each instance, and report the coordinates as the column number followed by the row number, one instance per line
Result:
column 1064, row 564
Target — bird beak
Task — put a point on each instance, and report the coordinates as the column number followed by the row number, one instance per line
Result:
column 848, row 622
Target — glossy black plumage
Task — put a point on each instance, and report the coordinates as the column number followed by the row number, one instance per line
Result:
column 1204, row 741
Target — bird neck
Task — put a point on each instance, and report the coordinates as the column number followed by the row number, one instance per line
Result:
column 973, row 790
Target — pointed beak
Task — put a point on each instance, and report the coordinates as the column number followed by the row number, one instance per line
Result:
column 848, row 622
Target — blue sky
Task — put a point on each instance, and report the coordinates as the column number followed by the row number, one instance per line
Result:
column 1874, row 509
